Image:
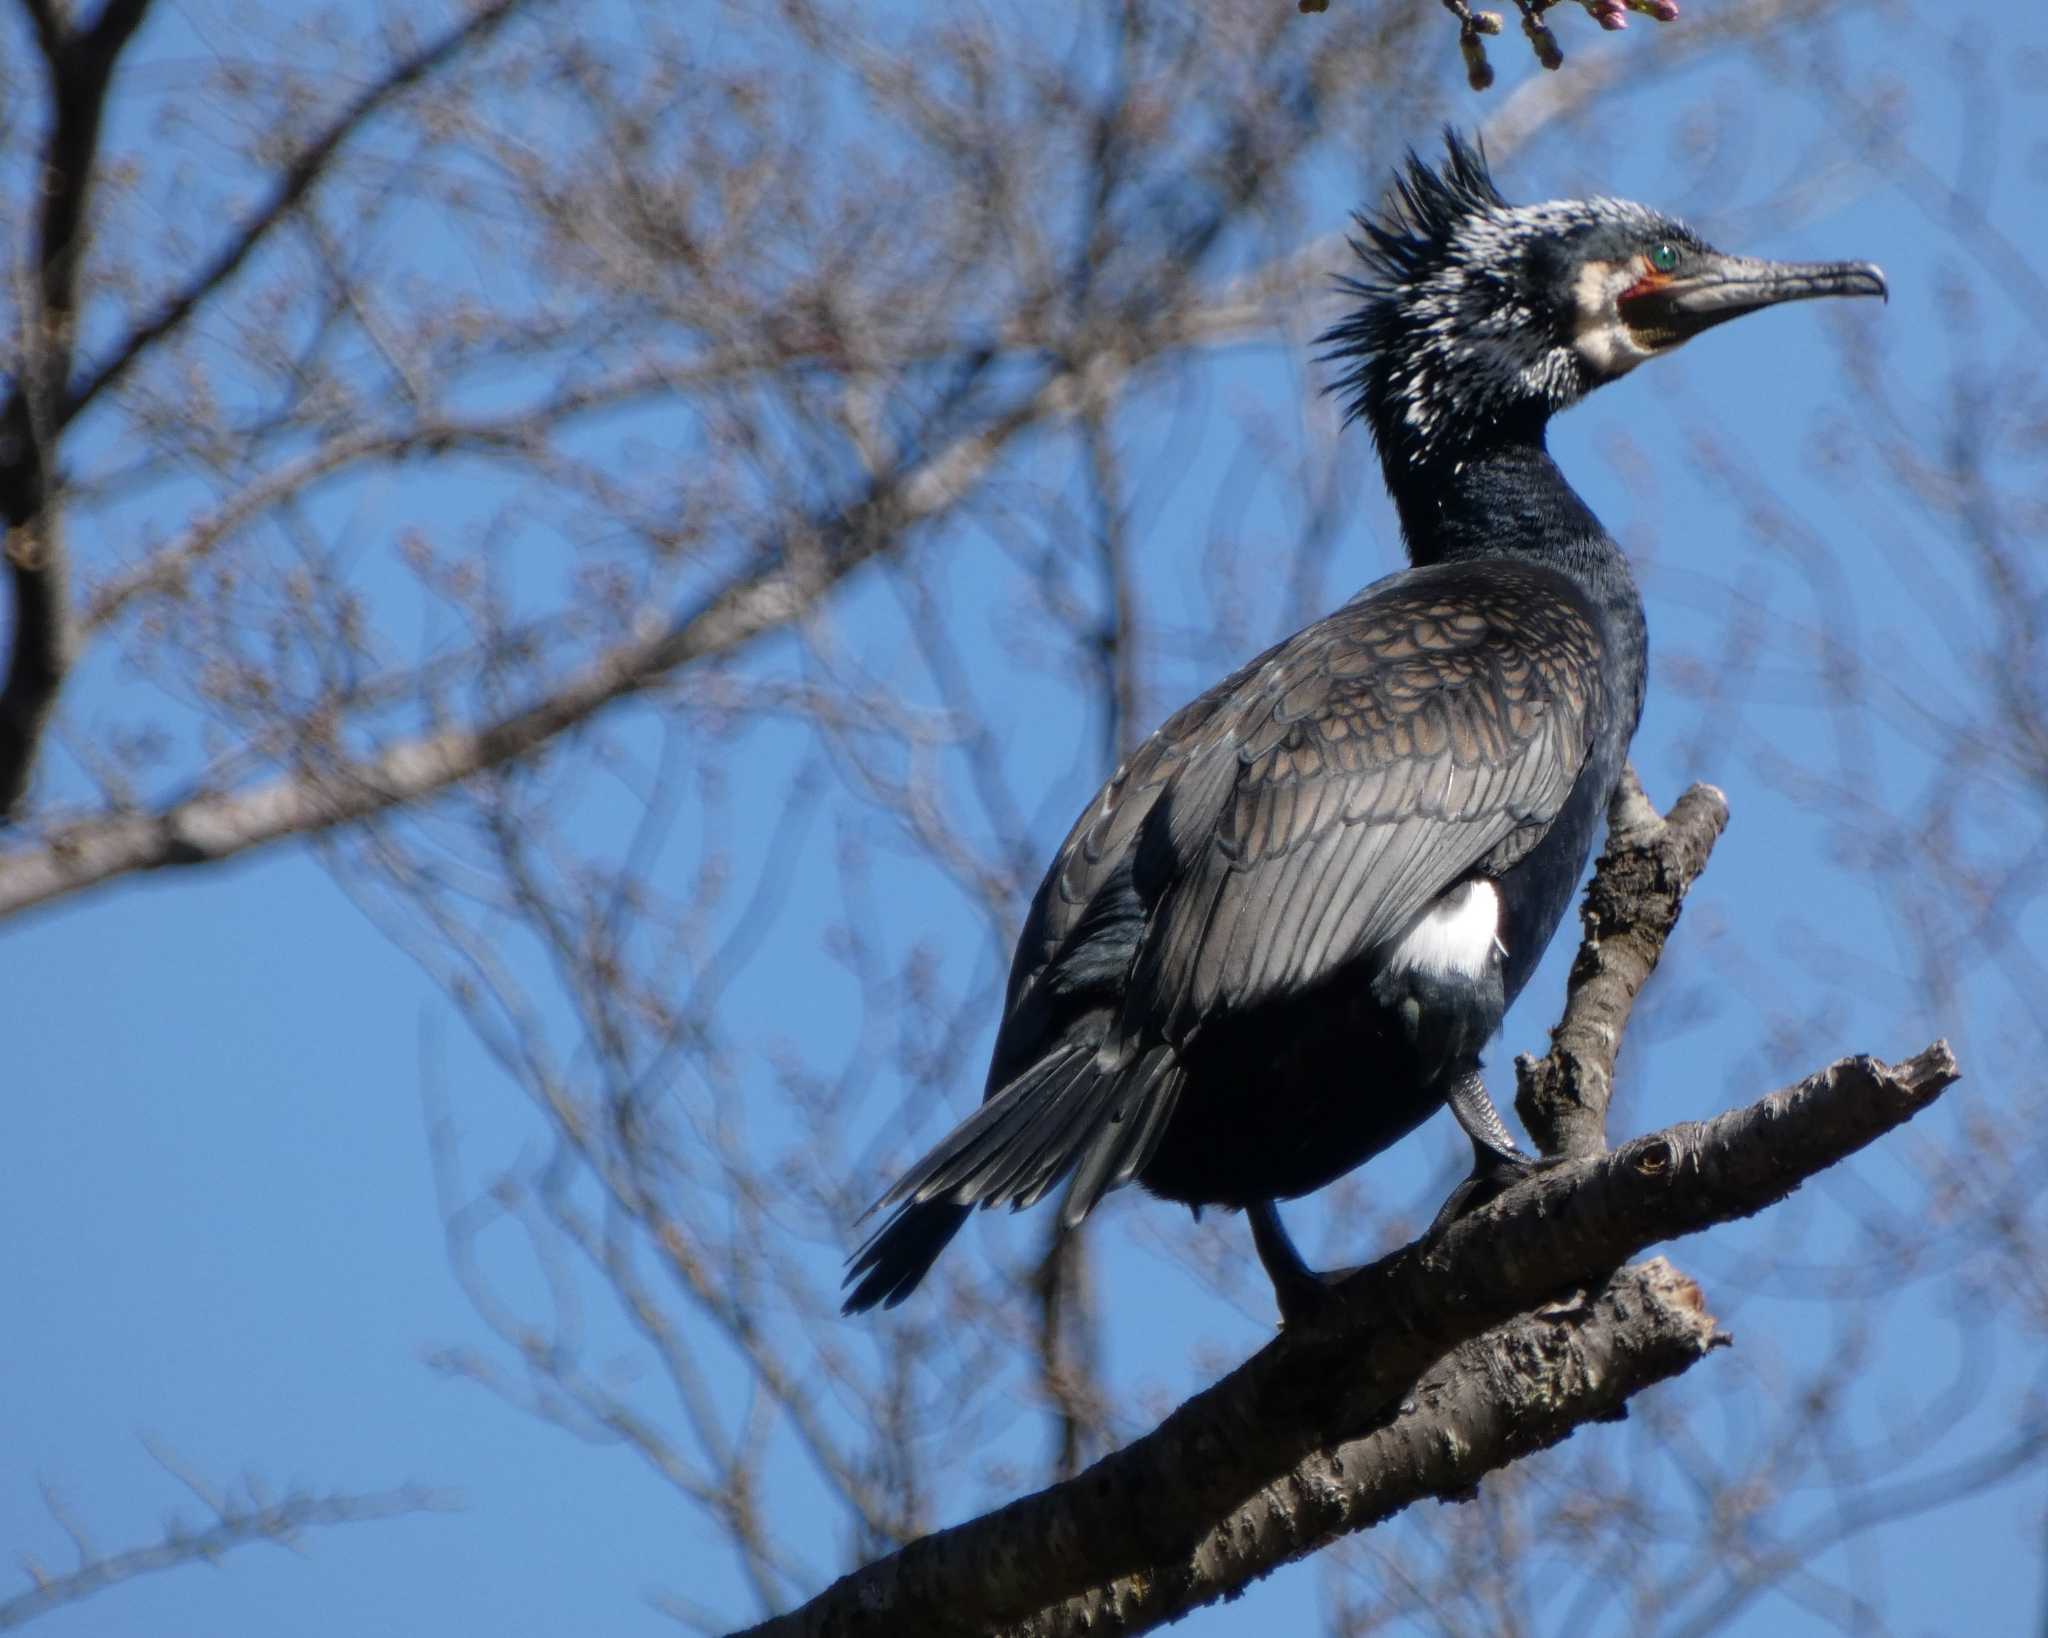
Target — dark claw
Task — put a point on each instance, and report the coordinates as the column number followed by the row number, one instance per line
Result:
column 1492, row 1175
column 1497, row 1164
column 1303, row 1301
column 1301, row 1291
column 1476, row 1114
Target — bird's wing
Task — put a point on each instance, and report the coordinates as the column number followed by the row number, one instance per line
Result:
column 1429, row 730
column 1084, row 924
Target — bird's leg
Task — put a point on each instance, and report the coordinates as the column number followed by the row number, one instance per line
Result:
column 1301, row 1292
column 1497, row 1163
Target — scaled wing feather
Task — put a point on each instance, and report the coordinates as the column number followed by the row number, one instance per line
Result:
column 1435, row 724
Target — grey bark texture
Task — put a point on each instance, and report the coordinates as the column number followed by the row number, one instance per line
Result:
column 1519, row 1387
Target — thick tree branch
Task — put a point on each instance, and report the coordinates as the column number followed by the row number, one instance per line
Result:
column 1518, row 1388
column 80, row 66
column 39, row 656
column 1647, row 868
column 1158, row 1499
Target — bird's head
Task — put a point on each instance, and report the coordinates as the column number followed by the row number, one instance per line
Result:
column 1479, row 320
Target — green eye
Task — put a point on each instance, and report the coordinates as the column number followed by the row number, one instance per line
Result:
column 1664, row 257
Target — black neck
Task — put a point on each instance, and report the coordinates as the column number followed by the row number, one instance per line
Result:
column 1505, row 499
column 1508, row 499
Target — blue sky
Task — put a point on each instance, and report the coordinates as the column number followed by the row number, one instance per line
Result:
column 213, row 1164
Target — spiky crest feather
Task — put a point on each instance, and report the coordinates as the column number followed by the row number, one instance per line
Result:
column 1454, row 339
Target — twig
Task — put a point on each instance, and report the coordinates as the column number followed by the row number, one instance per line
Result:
column 208, row 828
column 1630, row 908
column 297, row 178
column 236, row 1524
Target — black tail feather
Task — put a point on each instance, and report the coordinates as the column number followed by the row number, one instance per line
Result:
column 961, row 1164
column 1062, row 1112
column 1120, row 1146
column 900, row 1253
column 1060, row 1103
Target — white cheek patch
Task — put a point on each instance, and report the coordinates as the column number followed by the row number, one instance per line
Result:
column 1455, row 936
column 1600, row 336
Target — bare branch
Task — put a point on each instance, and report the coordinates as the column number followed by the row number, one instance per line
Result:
column 1393, row 1320
column 292, row 185
column 1542, row 99
column 1978, row 1472
column 48, row 24
column 237, row 1522
column 1473, row 26
column 207, row 829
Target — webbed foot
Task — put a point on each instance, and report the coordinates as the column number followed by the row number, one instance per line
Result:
column 1492, row 1175
column 1302, row 1292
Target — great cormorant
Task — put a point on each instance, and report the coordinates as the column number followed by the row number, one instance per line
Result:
column 1277, row 939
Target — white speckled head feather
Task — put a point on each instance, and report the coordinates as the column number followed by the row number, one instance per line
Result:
column 1467, row 317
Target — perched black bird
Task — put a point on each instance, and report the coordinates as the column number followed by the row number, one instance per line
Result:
column 1277, row 940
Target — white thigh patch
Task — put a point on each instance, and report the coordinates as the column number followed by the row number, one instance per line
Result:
column 1454, row 935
